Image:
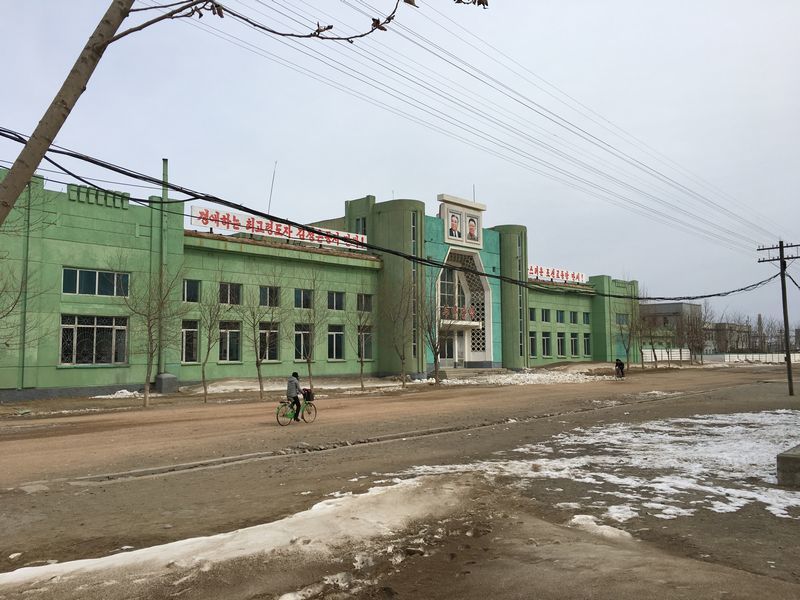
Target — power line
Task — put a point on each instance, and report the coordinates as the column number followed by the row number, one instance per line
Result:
column 597, row 190
column 424, row 261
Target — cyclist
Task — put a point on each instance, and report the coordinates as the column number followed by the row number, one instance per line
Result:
column 293, row 393
column 619, row 369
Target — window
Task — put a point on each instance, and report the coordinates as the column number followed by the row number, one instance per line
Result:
column 573, row 344
column 587, row 318
column 561, row 343
column 447, row 288
column 230, row 293
column 303, row 298
column 587, row 344
column 302, row 341
column 189, row 339
column 90, row 340
column 230, row 337
column 94, row 283
column 268, row 340
column 531, row 314
column 269, row 296
column 361, row 225
column 532, row 342
column 191, row 290
column 335, row 342
column 336, row 300
column 364, row 302
column 559, row 316
column 547, row 350
column 573, row 317
column 365, row 343
column 622, row 319
column 545, row 315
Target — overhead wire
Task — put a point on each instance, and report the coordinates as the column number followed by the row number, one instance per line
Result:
column 730, row 241
column 192, row 195
column 538, row 108
column 438, row 94
column 643, row 208
column 586, row 110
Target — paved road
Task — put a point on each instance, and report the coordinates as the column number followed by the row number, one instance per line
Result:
column 84, row 486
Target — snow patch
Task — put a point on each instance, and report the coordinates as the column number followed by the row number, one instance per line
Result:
column 589, row 524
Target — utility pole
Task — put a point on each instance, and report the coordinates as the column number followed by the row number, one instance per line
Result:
column 783, row 258
column 46, row 131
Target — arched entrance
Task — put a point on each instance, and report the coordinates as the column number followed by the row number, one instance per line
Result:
column 465, row 308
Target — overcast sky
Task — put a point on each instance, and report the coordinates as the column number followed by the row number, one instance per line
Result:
column 672, row 127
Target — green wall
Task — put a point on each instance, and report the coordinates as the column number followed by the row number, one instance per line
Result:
column 86, row 229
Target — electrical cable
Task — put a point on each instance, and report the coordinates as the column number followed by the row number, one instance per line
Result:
column 375, row 248
column 638, row 207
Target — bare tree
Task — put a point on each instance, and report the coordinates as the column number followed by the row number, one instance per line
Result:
column 437, row 322
column 698, row 328
column 361, row 321
column 260, row 314
column 398, row 314
column 773, row 334
column 210, row 312
column 154, row 307
column 628, row 324
column 106, row 33
column 311, row 317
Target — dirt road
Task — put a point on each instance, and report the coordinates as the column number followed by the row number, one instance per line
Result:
column 89, row 485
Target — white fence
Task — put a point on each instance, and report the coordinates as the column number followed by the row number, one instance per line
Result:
column 753, row 357
column 666, row 355
column 676, row 355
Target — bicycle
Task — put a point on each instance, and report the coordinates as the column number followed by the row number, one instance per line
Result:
column 308, row 411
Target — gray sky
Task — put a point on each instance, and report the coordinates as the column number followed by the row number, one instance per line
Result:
column 709, row 90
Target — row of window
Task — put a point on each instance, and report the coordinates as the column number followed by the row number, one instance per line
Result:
column 560, row 316
column 230, row 341
column 93, row 340
column 94, row 283
column 561, row 344
column 108, row 283
column 231, row 293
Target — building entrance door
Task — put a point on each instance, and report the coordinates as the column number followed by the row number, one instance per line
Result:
column 460, row 347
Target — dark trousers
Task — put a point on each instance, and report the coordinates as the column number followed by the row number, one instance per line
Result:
column 296, row 406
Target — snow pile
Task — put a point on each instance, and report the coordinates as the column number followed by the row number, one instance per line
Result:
column 666, row 468
column 321, row 530
column 539, row 376
column 122, row 394
column 589, row 524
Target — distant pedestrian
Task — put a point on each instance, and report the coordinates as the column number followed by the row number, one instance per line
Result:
column 619, row 369
column 293, row 393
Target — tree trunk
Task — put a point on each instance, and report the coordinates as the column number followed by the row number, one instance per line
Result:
column 74, row 85
column 310, row 376
column 362, row 370
column 205, row 383
column 260, row 380
column 149, row 372
column 403, row 372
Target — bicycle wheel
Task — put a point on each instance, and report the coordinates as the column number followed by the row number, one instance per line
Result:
column 284, row 414
column 309, row 412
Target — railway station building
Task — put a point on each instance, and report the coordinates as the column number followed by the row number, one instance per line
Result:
column 87, row 275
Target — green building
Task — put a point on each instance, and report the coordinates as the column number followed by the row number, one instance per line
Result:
column 93, row 287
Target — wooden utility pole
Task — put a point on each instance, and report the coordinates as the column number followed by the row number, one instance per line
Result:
column 783, row 258
column 74, row 85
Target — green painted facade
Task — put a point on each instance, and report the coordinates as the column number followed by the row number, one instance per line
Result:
column 55, row 241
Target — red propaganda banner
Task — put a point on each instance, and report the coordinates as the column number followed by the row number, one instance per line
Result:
column 540, row 272
column 226, row 222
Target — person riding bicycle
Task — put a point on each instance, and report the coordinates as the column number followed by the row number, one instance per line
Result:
column 293, row 393
column 619, row 368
